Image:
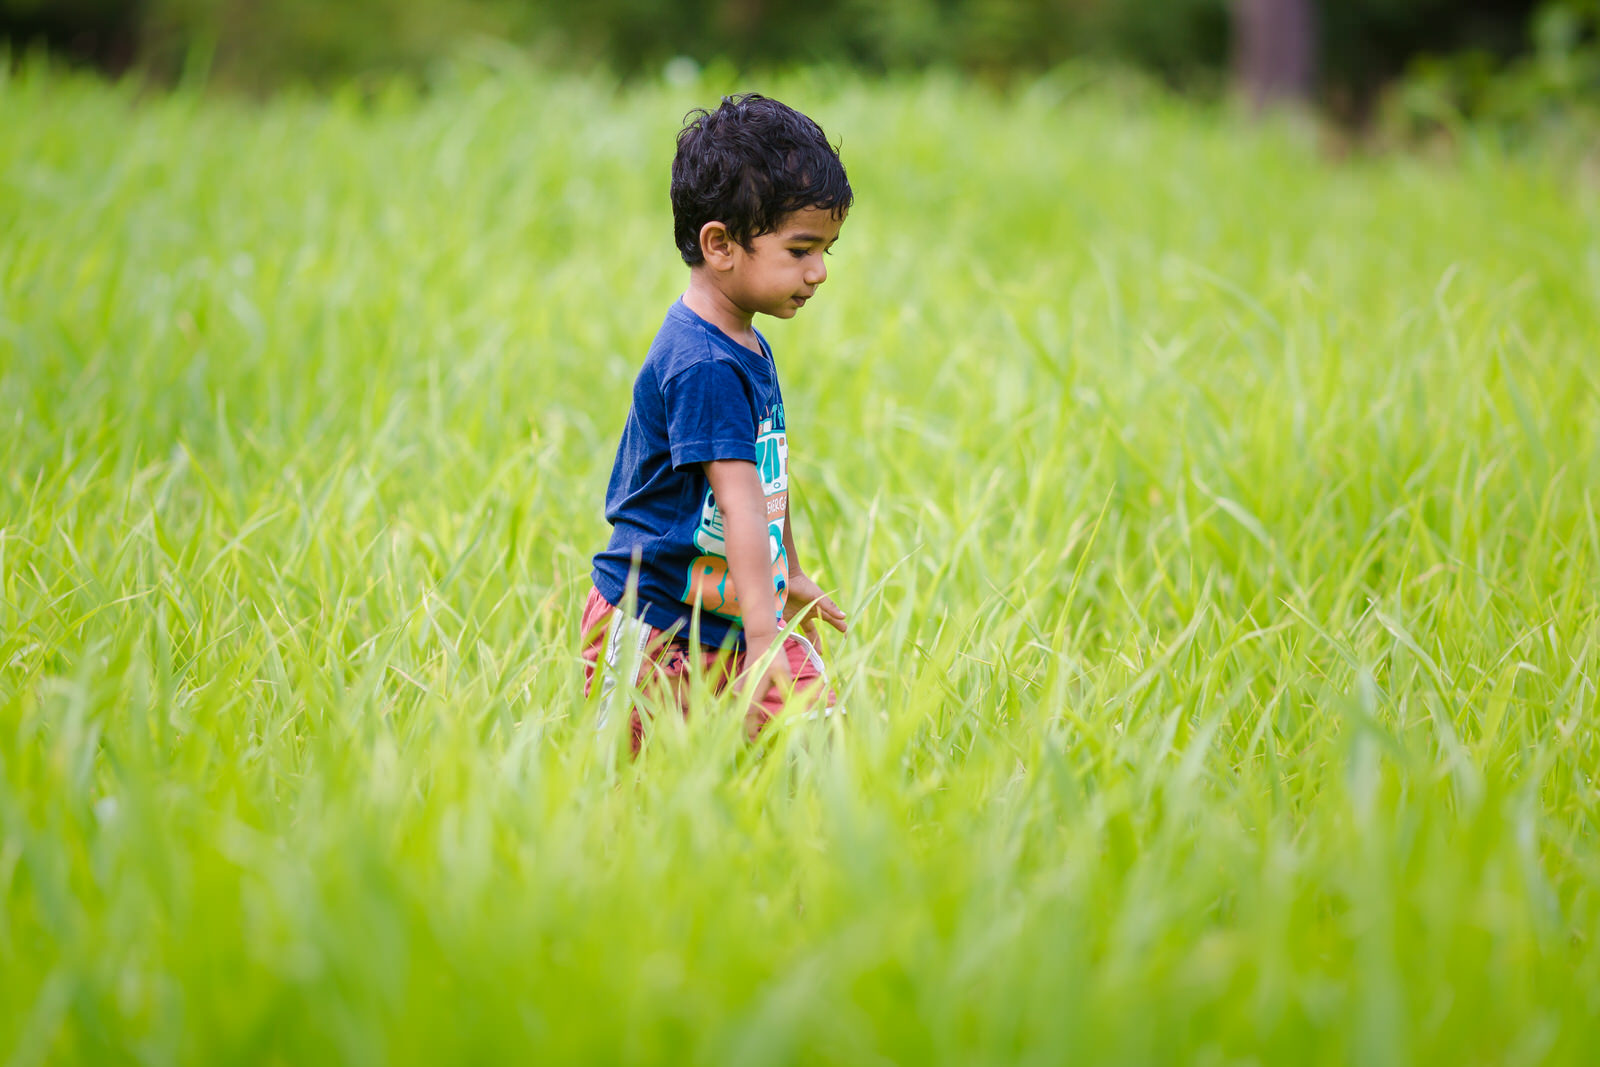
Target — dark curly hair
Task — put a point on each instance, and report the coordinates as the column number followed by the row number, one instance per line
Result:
column 748, row 164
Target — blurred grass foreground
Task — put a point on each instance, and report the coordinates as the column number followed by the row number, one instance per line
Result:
column 1217, row 523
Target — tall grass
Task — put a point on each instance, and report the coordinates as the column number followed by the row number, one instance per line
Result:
column 1217, row 523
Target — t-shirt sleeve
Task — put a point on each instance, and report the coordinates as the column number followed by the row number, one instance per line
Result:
column 710, row 415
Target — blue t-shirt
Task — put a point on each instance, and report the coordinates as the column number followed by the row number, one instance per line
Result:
column 700, row 396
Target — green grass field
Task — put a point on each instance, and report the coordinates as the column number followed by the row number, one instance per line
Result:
column 1217, row 522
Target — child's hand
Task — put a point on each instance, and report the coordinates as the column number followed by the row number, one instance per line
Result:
column 755, row 684
column 807, row 602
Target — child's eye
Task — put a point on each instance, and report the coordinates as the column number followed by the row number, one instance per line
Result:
column 798, row 253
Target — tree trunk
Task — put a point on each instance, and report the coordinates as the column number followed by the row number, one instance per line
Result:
column 1274, row 49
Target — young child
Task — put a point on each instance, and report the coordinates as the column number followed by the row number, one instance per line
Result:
column 699, row 494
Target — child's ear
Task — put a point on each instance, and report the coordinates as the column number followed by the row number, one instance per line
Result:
column 716, row 245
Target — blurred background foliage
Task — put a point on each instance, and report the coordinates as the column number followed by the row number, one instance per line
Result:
column 1423, row 63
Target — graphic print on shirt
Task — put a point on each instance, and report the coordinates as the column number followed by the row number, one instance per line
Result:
column 709, row 580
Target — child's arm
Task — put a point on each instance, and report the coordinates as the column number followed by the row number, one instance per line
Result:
column 806, row 599
column 737, row 488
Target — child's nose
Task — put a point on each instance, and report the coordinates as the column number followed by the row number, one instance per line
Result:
column 816, row 272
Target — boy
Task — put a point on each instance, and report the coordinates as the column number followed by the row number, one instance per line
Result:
column 699, row 493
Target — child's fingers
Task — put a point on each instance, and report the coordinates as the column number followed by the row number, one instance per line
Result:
column 824, row 608
column 832, row 614
column 779, row 676
column 754, row 682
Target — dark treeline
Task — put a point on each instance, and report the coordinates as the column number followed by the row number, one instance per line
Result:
column 1349, row 47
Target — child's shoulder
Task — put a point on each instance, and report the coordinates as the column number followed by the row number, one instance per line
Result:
column 685, row 341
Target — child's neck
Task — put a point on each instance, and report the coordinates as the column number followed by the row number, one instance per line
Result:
column 712, row 304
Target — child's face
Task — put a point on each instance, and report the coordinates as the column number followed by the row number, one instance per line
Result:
column 783, row 268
